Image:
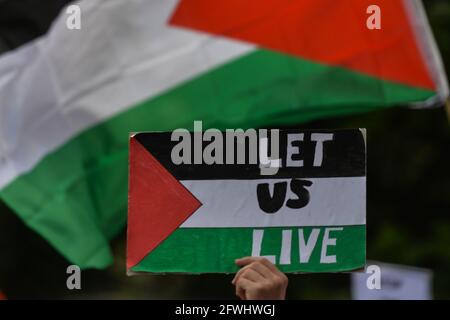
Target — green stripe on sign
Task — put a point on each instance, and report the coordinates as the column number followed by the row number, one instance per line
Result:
column 76, row 197
column 189, row 250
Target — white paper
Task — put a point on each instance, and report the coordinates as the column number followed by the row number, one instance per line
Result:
column 398, row 282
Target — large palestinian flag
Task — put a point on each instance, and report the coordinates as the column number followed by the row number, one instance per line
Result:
column 69, row 99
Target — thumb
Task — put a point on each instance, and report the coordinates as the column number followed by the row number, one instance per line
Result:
column 245, row 261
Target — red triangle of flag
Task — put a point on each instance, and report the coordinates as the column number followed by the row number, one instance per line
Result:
column 157, row 204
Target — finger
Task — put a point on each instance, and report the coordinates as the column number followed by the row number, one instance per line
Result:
column 242, row 286
column 257, row 266
column 271, row 266
column 240, row 293
column 247, row 260
column 262, row 269
column 252, row 275
column 238, row 274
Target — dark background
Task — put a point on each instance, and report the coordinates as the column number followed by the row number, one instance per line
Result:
column 408, row 217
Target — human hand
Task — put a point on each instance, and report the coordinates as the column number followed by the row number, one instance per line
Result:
column 259, row 279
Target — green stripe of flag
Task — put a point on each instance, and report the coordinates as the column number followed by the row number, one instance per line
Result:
column 181, row 251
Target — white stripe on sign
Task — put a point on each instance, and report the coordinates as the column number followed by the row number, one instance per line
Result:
column 67, row 81
column 234, row 203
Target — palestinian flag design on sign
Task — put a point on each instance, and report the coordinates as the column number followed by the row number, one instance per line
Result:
column 199, row 218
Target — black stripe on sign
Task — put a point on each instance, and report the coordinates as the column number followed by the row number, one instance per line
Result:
column 344, row 156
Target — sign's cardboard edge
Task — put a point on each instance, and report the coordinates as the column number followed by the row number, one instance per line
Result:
column 131, row 273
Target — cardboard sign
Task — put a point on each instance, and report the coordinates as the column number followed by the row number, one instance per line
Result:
column 396, row 282
column 197, row 203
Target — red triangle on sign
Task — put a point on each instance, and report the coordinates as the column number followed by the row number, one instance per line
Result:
column 325, row 31
column 157, row 204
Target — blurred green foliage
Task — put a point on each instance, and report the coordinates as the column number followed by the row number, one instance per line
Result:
column 408, row 217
